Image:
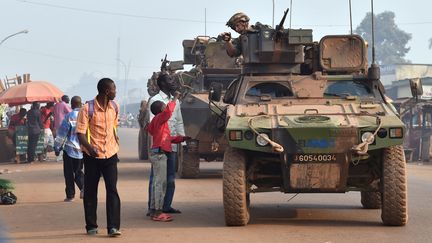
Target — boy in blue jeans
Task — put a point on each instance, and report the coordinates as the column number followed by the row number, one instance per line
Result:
column 162, row 141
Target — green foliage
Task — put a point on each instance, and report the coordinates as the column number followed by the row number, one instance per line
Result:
column 390, row 41
column 6, row 184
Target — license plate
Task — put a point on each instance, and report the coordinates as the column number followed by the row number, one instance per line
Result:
column 307, row 158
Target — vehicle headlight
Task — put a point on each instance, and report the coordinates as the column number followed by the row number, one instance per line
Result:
column 396, row 132
column 368, row 137
column 261, row 141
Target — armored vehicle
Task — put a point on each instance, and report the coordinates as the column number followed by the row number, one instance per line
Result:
column 310, row 117
column 416, row 113
column 211, row 64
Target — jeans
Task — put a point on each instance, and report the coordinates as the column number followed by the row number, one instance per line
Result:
column 159, row 166
column 169, row 194
column 93, row 168
column 31, row 146
column 72, row 171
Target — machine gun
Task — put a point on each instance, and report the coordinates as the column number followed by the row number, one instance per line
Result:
column 279, row 28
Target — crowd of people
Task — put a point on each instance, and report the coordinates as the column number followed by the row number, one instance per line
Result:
column 85, row 137
column 39, row 125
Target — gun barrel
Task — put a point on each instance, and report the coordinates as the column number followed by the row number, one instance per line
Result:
column 281, row 23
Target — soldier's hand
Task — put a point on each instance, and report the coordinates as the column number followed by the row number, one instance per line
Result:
column 226, row 36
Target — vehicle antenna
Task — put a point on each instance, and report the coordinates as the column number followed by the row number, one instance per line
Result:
column 350, row 16
column 273, row 13
column 205, row 21
column 373, row 33
column 290, row 12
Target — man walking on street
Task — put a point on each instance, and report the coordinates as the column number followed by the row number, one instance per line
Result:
column 60, row 110
column 96, row 129
column 34, row 128
column 175, row 123
column 67, row 140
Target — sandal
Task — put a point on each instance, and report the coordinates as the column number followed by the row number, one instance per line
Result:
column 163, row 217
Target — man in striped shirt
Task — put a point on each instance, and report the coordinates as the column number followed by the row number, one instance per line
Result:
column 96, row 129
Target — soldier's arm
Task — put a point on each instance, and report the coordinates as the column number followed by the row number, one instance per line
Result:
column 231, row 50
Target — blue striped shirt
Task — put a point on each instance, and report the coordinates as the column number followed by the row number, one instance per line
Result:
column 67, row 139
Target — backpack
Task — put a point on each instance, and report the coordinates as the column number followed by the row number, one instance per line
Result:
column 91, row 110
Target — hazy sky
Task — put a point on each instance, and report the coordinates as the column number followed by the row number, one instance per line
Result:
column 70, row 37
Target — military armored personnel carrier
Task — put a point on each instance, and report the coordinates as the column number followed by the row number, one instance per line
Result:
column 310, row 117
column 211, row 64
column 416, row 113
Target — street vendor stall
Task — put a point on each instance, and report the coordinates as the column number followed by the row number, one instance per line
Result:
column 27, row 93
column 22, row 94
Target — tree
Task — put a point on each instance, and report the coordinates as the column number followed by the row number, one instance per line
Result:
column 390, row 41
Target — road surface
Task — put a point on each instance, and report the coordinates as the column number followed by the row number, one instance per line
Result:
column 41, row 215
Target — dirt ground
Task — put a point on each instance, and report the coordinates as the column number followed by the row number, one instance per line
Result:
column 41, row 215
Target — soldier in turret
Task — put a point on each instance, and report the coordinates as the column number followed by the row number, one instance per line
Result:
column 239, row 22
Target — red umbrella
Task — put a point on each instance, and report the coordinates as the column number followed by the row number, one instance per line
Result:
column 29, row 92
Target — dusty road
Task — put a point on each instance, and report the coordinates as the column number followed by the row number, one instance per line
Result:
column 41, row 215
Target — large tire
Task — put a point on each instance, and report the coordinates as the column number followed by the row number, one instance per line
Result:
column 371, row 200
column 394, row 187
column 235, row 193
column 143, row 145
column 188, row 164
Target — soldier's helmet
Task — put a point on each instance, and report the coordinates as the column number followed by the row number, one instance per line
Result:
column 236, row 18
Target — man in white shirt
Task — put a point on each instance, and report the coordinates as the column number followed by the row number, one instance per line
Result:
column 167, row 86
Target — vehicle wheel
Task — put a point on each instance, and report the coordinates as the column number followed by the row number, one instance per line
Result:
column 188, row 164
column 235, row 194
column 371, row 200
column 394, row 187
column 142, row 145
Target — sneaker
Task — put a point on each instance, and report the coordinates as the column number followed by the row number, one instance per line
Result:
column 150, row 212
column 113, row 232
column 92, row 231
column 68, row 199
column 81, row 194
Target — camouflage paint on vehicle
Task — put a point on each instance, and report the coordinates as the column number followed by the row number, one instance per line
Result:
column 309, row 116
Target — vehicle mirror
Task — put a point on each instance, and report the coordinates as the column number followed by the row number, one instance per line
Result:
column 416, row 87
column 215, row 92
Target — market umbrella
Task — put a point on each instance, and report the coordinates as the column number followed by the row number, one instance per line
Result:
column 29, row 92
